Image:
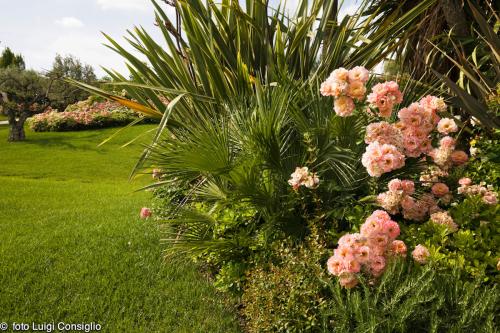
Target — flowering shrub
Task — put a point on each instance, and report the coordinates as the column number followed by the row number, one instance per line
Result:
column 389, row 145
column 367, row 250
column 86, row 114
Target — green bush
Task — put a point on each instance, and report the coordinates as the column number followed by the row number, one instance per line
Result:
column 287, row 294
column 295, row 295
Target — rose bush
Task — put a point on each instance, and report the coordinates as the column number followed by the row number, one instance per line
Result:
column 88, row 114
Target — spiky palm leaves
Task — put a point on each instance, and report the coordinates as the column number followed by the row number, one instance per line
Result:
column 222, row 48
column 232, row 143
column 233, row 166
column 478, row 62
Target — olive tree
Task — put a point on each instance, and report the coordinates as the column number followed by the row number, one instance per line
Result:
column 22, row 94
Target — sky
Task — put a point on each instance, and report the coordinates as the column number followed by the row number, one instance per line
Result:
column 40, row 29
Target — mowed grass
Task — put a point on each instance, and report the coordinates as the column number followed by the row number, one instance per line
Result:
column 73, row 249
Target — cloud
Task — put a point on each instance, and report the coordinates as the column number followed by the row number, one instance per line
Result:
column 124, row 4
column 69, row 22
column 348, row 10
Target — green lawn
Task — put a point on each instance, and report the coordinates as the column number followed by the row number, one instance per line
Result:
column 73, row 249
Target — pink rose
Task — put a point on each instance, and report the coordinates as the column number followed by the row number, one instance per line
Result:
column 395, row 185
column 420, row 254
column 459, row 157
column 398, row 247
column 446, row 126
column 440, row 189
column 145, row 213
column 334, row 265
column 408, row 187
column 465, row 181
column 344, row 106
column 391, row 228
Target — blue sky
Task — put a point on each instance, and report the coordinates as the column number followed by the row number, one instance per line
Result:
column 41, row 29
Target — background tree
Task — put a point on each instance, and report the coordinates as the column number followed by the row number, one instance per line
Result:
column 9, row 59
column 63, row 93
column 22, row 94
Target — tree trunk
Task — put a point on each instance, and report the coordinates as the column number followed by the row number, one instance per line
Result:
column 454, row 15
column 16, row 132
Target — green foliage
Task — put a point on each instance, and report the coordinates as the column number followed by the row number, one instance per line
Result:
column 22, row 94
column 234, row 166
column 286, row 293
column 477, row 58
column 62, row 92
column 473, row 248
column 293, row 293
column 10, row 60
column 245, row 44
column 27, row 87
column 485, row 162
column 417, row 299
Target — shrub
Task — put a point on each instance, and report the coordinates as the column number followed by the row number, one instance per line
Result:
column 88, row 114
column 293, row 294
column 412, row 298
column 288, row 293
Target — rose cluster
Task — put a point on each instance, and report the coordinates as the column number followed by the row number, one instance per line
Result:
column 345, row 86
column 381, row 158
column 384, row 133
column 366, row 251
column 445, row 219
column 416, row 123
column 399, row 198
column 487, row 194
column 384, row 97
column 303, row 177
column 445, row 156
column 420, row 254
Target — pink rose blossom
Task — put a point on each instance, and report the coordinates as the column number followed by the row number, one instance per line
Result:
column 445, row 219
column 356, row 90
column 381, row 158
column 398, row 247
column 440, row 189
column 490, row 198
column 446, row 126
column 465, row 181
column 334, row 265
column 145, row 213
column 447, row 142
column 408, row 187
column 340, row 74
column 344, row 106
column 358, row 73
column 433, row 103
column 391, row 228
column 302, row 177
column 459, row 157
column 420, row 254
